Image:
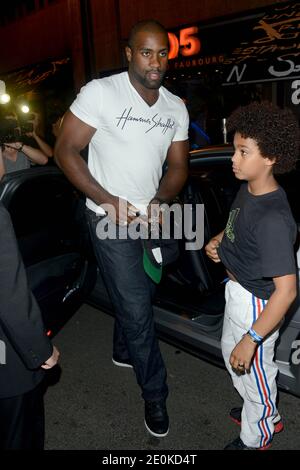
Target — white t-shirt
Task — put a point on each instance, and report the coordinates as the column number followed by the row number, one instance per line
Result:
column 129, row 147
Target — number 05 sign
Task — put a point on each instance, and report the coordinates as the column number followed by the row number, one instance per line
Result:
column 188, row 43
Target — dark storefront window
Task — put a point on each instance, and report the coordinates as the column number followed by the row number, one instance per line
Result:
column 47, row 88
column 238, row 60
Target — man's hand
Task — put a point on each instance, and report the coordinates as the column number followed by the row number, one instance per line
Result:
column 35, row 121
column 155, row 217
column 120, row 211
column 211, row 250
column 11, row 148
column 53, row 360
column 154, row 211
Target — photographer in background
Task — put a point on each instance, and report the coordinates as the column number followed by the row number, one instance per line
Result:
column 35, row 134
column 15, row 154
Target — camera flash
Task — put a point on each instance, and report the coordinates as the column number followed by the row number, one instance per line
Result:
column 25, row 108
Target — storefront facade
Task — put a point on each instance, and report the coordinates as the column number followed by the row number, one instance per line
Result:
column 216, row 66
column 217, row 62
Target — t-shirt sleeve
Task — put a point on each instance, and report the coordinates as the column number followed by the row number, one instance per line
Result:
column 275, row 239
column 182, row 131
column 88, row 104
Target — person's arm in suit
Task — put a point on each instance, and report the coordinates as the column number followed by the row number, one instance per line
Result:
column 20, row 316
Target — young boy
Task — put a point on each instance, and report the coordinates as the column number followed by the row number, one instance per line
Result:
column 257, row 249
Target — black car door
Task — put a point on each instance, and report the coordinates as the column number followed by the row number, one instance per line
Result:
column 48, row 218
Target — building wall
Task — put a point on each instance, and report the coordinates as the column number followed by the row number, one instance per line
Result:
column 179, row 12
column 170, row 13
column 106, row 31
column 39, row 36
column 56, row 31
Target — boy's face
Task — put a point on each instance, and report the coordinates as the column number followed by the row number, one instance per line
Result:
column 247, row 162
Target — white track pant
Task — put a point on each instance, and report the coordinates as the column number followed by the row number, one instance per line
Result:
column 258, row 389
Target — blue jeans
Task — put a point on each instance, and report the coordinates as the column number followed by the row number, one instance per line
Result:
column 130, row 290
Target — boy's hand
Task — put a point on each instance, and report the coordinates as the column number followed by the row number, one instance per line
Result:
column 242, row 355
column 211, row 250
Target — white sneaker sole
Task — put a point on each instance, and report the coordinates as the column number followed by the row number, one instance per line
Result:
column 121, row 364
column 154, row 433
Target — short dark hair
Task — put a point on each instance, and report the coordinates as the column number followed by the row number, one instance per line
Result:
column 275, row 130
column 145, row 25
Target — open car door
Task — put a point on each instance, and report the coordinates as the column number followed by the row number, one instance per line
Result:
column 48, row 217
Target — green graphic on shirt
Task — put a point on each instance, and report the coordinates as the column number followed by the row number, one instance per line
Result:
column 229, row 230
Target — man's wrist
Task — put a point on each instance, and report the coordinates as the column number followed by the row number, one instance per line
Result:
column 20, row 148
column 158, row 200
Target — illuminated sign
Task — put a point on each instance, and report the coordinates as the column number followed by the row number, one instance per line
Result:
column 188, row 43
column 262, row 45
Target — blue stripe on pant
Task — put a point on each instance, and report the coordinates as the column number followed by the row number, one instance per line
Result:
column 258, row 389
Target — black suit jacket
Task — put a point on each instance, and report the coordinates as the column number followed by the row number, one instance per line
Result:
column 24, row 345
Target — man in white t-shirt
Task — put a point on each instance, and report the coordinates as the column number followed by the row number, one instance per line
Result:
column 132, row 125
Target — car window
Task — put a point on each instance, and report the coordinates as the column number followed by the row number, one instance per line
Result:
column 219, row 176
column 43, row 214
column 291, row 184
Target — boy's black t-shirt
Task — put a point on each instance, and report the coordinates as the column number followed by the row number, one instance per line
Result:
column 258, row 242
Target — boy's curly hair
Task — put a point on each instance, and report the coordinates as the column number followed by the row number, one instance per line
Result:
column 275, row 130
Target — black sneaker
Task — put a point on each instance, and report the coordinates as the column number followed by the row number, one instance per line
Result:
column 156, row 418
column 238, row 444
column 235, row 415
column 121, row 363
